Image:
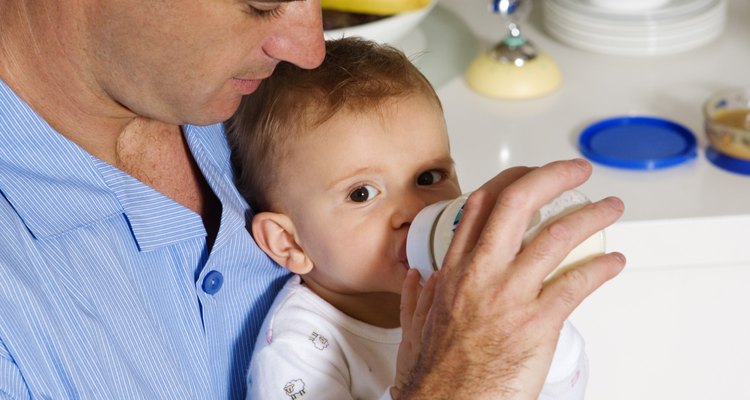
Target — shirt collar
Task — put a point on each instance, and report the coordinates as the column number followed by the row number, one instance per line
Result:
column 211, row 151
column 48, row 179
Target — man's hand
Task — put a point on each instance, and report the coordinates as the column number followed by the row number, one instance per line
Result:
column 415, row 306
column 494, row 323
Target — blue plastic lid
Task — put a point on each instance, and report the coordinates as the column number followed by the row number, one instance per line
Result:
column 728, row 163
column 637, row 143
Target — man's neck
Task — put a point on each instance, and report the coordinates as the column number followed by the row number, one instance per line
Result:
column 43, row 59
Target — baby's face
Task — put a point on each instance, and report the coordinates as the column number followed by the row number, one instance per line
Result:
column 353, row 185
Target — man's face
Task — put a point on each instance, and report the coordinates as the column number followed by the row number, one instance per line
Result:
column 190, row 61
column 353, row 185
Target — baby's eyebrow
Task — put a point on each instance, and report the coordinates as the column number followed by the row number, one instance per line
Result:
column 359, row 171
column 444, row 161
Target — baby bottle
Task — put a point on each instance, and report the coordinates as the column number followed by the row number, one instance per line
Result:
column 432, row 230
column 431, row 233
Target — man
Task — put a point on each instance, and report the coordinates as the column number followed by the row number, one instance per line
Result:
column 126, row 270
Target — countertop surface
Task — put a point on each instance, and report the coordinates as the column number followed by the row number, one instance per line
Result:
column 672, row 325
column 690, row 214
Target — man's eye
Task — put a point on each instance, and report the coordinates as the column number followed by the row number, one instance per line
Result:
column 266, row 10
column 429, row 178
column 363, row 193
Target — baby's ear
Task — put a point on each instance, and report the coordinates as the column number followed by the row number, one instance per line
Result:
column 275, row 234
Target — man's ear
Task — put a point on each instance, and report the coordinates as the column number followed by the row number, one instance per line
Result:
column 275, row 234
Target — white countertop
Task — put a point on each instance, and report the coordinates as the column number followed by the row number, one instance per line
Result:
column 673, row 325
column 690, row 214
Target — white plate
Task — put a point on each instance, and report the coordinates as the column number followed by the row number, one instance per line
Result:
column 628, row 5
column 610, row 33
column 673, row 10
column 655, row 41
column 639, row 48
column 715, row 15
column 386, row 30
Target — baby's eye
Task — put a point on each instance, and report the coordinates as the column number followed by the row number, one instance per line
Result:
column 429, row 178
column 363, row 194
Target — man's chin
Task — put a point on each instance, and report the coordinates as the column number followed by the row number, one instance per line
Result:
column 218, row 115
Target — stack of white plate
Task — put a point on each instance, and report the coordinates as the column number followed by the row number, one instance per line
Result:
column 673, row 26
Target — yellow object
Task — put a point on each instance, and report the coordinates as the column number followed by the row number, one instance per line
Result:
column 491, row 77
column 376, row 7
column 728, row 132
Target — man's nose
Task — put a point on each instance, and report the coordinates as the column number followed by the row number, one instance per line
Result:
column 301, row 40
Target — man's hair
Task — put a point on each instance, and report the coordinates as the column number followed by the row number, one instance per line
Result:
column 356, row 75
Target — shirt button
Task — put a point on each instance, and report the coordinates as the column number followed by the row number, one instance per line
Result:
column 212, row 282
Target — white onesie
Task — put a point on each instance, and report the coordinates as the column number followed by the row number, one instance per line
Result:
column 308, row 349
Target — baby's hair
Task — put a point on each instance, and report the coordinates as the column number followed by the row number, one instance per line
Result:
column 356, row 75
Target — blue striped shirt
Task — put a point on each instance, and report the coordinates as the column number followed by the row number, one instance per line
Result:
column 106, row 287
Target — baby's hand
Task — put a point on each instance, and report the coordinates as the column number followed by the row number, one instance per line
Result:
column 416, row 302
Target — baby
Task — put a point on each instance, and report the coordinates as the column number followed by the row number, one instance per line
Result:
column 336, row 162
